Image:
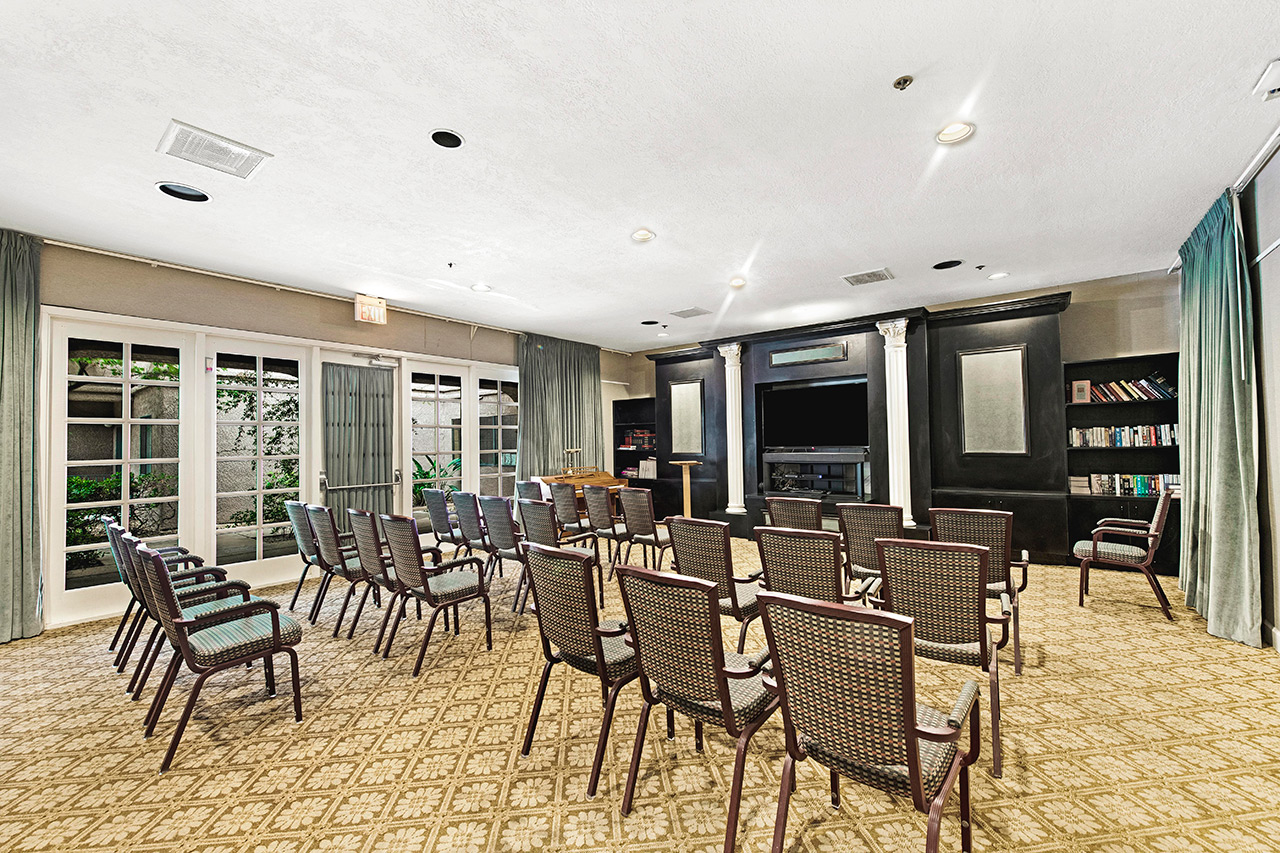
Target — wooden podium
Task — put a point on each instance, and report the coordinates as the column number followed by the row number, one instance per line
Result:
column 688, row 499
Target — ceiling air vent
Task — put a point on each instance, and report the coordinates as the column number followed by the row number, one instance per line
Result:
column 208, row 149
column 689, row 313
column 869, row 277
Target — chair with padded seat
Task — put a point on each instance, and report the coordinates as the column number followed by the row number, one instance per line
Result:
column 471, row 525
column 443, row 523
column 503, row 539
column 861, row 525
column 637, row 514
column 297, row 512
column 338, row 557
column 604, row 523
column 846, row 680
column 371, row 552
column 538, row 522
column 564, row 601
column 795, row 513
column 564, row 496
column 1101, row 551
column 528, row 490
column 807, row 563
column 992, row 529
column 173, row 554
column 674, row 625
column 700, row 548
column 943, row 587
column 441, row 585
column 215, row 642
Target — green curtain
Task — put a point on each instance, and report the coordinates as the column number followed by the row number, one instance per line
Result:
column 358, row 409
column 20, row 534
column 1217, row 410
column 561, row 405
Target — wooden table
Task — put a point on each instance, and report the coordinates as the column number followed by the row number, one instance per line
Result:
column 688, row 500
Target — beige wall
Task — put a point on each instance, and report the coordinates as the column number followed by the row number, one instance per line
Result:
column 1126, row 315
column 1266, row 287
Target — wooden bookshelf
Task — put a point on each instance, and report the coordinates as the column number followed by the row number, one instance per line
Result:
column 632, row 415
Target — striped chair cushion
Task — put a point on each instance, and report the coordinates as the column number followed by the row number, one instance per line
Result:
column 619, row 531
column 240, row 637
column 454, row 586
column 1113, row 551
column 217, row 605
column 747, row 696
column 199, row 593
column 747, row 604
column 935, row 761
column 619, row 658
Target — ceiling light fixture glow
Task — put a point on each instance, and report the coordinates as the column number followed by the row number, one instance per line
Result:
column 955, row 132
column 643, row 235
column 182, row 191
column 663, row 335
column 996, row 276
column 738, row 282
column 481, row 288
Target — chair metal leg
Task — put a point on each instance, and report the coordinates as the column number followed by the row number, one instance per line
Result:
column 966, row 821
column 835, row 790
column 426, row 638
column 162, row 695
column 146, row 673
column 537, row 708
column 269, row 670
column 784, row 803
column 735, row 791
column 994, row 672
column 1159, row 591
column 306, row 567
column 386, row 619
column 320, row 594
column 139, row 616
column 182, row 721
column 671, row 723
column 124, row 620
column 126, row 651
column 342, row 612
column 488, row 624
column 297, row 684
column 697, row 735
column 1084, row 580
column 598, row 763
column 636, row 751
column 147, row 651
column 1017, row 640
column 359, row 609
column 600, row 584
column 395, row 626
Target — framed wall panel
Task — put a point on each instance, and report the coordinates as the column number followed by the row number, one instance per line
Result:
column 686, row 417
column 993, row 401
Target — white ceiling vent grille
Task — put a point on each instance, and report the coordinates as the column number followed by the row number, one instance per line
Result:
column 868, row 277
column 208, row 149
column 689, row 313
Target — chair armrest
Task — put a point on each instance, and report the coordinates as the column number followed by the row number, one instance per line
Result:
column 239, row 586
column 247, row 609
column 182, row 559
column 612, row 632
column 578, row 537
column 1025, row 565
column 1121, row 531
column 346, row 537
column 864, row 590
column 203, row 572
column 453, row 564
column 771, row 685
column 435, row 553
column 171, row 549
column 1123, row 522
column 964, row 704
column 756, row 575
column 1006, row 606
column 754, row 663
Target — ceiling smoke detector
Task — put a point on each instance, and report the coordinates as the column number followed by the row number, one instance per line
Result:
column 689, row 313
column 211, row 150
column 868, row 277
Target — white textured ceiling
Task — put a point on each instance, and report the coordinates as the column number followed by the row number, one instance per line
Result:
column 757, row 138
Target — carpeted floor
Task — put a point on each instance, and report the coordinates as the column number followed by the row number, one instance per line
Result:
column 1125, row 734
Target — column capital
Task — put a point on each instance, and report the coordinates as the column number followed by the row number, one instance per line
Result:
column 894, row 331
column 732, row 353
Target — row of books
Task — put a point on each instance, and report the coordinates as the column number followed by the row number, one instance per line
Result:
column 639, row 439
column 1137, row 435
column 1126, row 485
column 1154, row 387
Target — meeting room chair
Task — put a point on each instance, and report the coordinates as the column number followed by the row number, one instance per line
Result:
column 992, row 529
column 861, row 525
column 1099, row 550
column 564, row 496
column 538, row 521
column 807, row 563
column 637, row 513
column 564, row 601
column 338, row 557
column 504, row 540
column 796, row 513
column 845, row 677
column 470, row 523
column 528, row 490
column 603, row 523
column 374, row 558
column 701, row 548
column 943, row 587
column 443, row 523
column 297, row 512
column 674, row 626
column 173, row 554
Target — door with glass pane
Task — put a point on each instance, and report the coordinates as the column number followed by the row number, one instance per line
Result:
column 498, row 402
column 258, row 448
column 117, row 423
column 437, row 431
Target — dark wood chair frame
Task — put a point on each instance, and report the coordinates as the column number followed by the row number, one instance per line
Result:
column 807, row 510
column 734, row 581
column 531, row 532
column 777, row 684
column 1132, row 528
column 839, row 578
column 642, row 527
column 723, row 674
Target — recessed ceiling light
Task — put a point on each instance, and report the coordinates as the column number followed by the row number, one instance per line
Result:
column 648, row 322
column 997, row 275
column 955, row 132
column 738, row 282
column 446, row 138
column 663, row 335
column 946, row 265
column 643, row 235
column 182, row 191
column 481, row 288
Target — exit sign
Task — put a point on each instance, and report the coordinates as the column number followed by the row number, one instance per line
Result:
column 371, row 309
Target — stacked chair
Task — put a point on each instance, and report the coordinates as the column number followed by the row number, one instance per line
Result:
column 701, row 549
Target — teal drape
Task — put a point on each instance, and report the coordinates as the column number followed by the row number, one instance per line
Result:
column 358, row 408
column 561, row 405
column 1217, row 411
column 20, row 534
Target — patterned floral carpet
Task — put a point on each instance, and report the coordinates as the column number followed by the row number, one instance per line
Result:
column 1126, row 734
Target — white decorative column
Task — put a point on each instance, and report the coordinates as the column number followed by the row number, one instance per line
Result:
column 895, row 374
column 733, row 424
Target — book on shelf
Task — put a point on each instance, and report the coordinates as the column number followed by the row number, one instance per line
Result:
column 1126, row 485
column 630, row 472
column 1153, row 387
column 1127, row 435
column 639, row 439
column 648, row 469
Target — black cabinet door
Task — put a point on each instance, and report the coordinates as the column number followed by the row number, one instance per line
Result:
column 1039, row 518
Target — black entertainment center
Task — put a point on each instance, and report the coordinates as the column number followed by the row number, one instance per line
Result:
column 813, row 435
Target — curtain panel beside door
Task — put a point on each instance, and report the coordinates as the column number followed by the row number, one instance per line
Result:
column 561, row 405
column 358, row 410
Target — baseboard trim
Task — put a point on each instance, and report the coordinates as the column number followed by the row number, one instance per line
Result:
column 1269, row 630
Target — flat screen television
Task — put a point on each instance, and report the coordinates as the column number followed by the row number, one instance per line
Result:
column 828, row 414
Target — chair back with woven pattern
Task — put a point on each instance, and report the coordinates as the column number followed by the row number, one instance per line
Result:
column 406, row 550
column 637, row 511
column 674, row 621
column 801, row 562
column 861, row 525
column 437, row 502
column 565, row 600
column 796, row 513
column 1157, row 520
column 599, row 507
column 990, row 528
column 702, row 550
column 328, row 547
column 528, row 490
column 113, row 539
column 364, row 529
column 538, row 522
column 846, row 677
column 498, row 522
column 135, row 569
column 297, row 512
column 162, row 600
column 468, row 510
column 941, row 585
column 565, row 498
